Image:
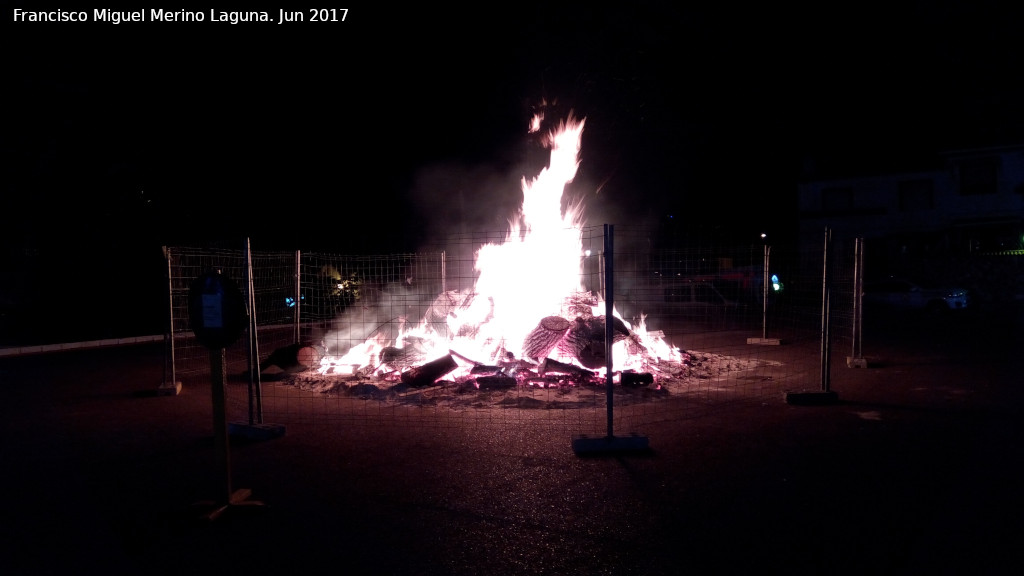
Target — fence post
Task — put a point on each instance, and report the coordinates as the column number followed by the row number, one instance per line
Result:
column 826, row 294
column 856, row 358
column 255, row 386
column 609, row 444
column 825, row 395
column 170, row 386
column 765, row 281
column 764, row 293
column 255, row 428
column 297, row 328
column 609, row 325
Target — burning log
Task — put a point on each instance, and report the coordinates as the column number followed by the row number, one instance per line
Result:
column 430, row 372
column 449, row 304
column 519, row 368
column 444, row 306
column 465, row 358
column 543, row 339
column 486, row 370
column 549, row 366
column 585, row 340
column 545, row 381
column 400, row 357
column 446, row 303
column 496, row 382
column 297, row 357
column 635, row 379
column 414, row 352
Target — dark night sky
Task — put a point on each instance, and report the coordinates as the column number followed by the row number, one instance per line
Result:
column 275, row 130
column 353, row 136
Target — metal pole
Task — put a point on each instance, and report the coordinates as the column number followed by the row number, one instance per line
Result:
column 609, row 324
column 170, row 321
column 170, row 385
column 296, row 331
column 218, row 382
column 256, row 348
column 826, row 349
column 609, row 444
column 764, row 296
column 252, row 361
column 255, row 388
column 825, row 395
column 858, row 294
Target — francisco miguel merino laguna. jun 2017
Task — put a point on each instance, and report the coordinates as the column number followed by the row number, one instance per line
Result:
column 160, row 15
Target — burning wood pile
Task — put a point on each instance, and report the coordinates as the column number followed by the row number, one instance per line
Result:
column 454, row 381
column 556, row 353
column 581, row 340
column 498, row 336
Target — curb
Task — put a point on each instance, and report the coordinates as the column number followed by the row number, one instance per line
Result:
column 47, row 348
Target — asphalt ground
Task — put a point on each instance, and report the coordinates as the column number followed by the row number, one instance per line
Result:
column 916, row 469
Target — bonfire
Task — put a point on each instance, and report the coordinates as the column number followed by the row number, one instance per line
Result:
column 500, row 335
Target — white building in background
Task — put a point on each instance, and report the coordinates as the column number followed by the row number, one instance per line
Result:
column 971, row 201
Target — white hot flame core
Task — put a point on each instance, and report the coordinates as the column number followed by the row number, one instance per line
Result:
column 543, row 248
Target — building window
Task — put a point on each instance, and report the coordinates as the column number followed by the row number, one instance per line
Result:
column 917, row 194
column 837, row 199
column 979, row 176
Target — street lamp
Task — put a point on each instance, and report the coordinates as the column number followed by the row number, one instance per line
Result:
column 765, row 279
column 764, row 288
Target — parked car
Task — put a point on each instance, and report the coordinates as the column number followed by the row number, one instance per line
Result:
column 701, row 301
column 904, row 294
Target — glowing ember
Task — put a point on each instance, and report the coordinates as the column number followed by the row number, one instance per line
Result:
column 499, row 323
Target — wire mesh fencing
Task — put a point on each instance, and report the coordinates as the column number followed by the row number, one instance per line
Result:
column 439, row 339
